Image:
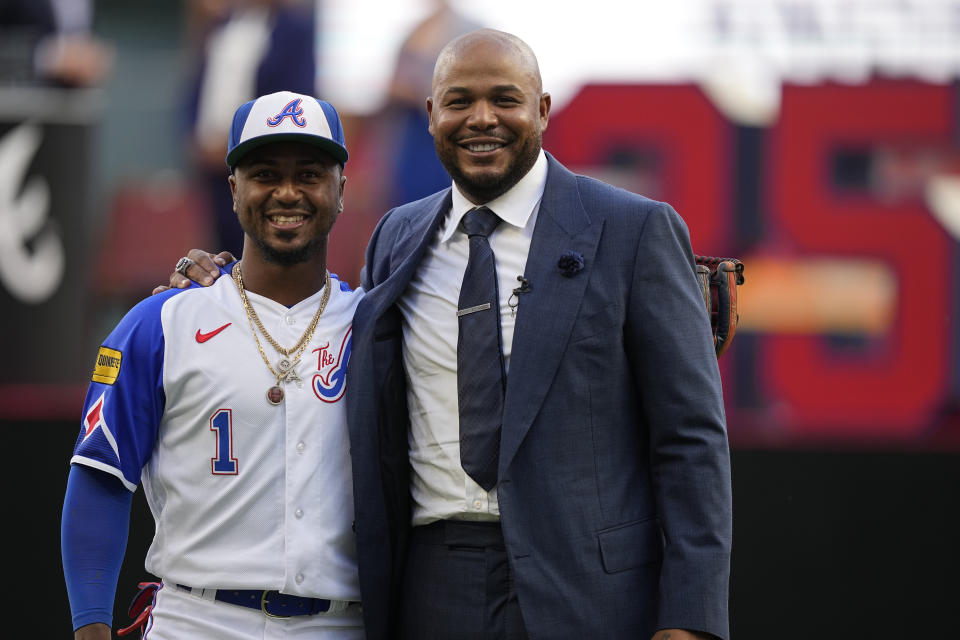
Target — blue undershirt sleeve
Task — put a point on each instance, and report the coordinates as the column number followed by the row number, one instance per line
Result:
column 93, row 540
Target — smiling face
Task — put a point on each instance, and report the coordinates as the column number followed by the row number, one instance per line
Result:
column 287, row 195
column 487, row 112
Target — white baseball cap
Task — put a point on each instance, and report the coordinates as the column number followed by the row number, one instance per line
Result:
column 285, row 116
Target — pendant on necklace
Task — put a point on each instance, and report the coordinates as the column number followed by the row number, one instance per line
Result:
column 275, row 395
column 287, row 372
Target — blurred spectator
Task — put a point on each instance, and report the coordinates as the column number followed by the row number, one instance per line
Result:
column 245, row 48
column 49, row 42
column 415, row 171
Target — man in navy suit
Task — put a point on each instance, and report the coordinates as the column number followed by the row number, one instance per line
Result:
column 609, row 514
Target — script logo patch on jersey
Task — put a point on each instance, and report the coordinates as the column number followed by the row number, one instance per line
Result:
column 95, row 419
column 293, row 110
column 329, row 382
column 108, row 366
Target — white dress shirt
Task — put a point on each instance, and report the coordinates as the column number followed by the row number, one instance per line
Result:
column 440, row 488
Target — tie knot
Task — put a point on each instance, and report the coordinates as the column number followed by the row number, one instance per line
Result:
column 480, row 222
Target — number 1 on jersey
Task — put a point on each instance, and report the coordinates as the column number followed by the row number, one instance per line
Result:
column 222, row 424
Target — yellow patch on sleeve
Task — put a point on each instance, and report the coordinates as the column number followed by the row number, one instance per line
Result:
column 108, row 366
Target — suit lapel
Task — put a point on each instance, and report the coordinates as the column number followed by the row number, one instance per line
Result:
column 411, row 243
column 414, row 240
column 546, row 314
column 366, row 372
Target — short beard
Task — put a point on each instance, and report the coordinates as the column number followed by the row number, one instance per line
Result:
column 488, row 188
column 288, row 257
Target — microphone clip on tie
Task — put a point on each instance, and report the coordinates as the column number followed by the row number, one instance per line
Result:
column 515, row 294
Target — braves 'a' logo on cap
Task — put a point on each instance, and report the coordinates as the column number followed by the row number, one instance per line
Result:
column 293, row 110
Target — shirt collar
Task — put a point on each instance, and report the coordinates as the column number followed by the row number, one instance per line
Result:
column 515, row 206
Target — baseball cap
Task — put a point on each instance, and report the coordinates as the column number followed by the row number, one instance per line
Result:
column 285, row 116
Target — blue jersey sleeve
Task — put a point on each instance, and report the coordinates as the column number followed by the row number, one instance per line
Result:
column 93, row 539
column 125, row 399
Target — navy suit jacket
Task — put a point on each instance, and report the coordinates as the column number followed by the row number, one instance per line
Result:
column 614, row 485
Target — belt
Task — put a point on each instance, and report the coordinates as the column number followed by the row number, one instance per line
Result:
column 273, row 604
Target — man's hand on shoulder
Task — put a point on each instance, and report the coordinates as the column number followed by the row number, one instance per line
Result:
column 682, row 634
column 203, row 271
column 95, row 631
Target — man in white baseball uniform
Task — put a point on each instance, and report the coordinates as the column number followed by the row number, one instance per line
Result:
column 225, row 402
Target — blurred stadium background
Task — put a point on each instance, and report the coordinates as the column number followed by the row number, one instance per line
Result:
column 816, row 140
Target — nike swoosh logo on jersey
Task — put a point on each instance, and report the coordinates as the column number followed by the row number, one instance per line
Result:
column 203, row 337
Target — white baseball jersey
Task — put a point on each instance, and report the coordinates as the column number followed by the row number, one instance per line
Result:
column 245, row 494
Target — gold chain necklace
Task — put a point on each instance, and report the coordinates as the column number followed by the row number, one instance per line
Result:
column 286, row 366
